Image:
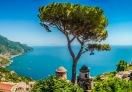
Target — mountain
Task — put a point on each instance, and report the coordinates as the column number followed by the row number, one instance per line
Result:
column 10, row 48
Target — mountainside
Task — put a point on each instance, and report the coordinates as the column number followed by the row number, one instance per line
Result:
column 4, row 61
column 10, row 76
column 10, row 48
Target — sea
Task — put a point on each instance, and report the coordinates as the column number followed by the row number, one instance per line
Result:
column 44, row 60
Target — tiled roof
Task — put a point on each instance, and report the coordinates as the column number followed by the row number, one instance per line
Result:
column 6, row 87
column 61, row 69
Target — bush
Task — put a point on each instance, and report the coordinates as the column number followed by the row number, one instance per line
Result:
column 113, row 85
column 55, row 85
column 121, row 66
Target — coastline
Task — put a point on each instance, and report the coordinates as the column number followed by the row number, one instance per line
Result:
column 13, row 56
column 9, row 58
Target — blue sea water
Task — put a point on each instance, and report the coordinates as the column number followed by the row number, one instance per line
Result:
column 43, row 61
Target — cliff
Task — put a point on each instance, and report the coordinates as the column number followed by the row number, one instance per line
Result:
column 9, row 48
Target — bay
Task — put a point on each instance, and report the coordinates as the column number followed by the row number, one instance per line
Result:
column 44, row 60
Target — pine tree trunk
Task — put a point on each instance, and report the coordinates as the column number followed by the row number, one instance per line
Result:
column 74, row 58
column 73, row 80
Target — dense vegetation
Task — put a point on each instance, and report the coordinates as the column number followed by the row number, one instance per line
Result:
column 121, row 66
column 113, row 85
column 12, row 48
column 107, row 82
column 55, row 85
column 105, row 76
column 10, row 76
column 4, row 61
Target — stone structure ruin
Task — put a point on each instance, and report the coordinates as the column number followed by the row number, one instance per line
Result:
column 84, row 80
column 61, row 73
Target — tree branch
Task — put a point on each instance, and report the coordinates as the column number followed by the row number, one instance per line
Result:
column 80, row 51
column 69, row 48
column 72, row 39
column 79, row 40
column 84, row 51
column 59, row 28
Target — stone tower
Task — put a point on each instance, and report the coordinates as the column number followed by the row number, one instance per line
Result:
column 84, row 80
column 131, row 76
column 61, row 73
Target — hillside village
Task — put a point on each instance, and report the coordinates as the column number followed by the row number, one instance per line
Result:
column 11, row 82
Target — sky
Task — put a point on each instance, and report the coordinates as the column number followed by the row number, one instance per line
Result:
column 19, row 21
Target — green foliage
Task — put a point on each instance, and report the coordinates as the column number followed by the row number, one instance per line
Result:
column 113, row 85
column 129, row 68
column 12, row 48
column 11, row 76
column 104, row 76
column 107, row 82
column 85, row 23
column 55, row 85
column 99, row 47
column 121, row 66
column 4, row 61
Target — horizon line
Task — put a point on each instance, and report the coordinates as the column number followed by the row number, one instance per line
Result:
column 72, row 45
